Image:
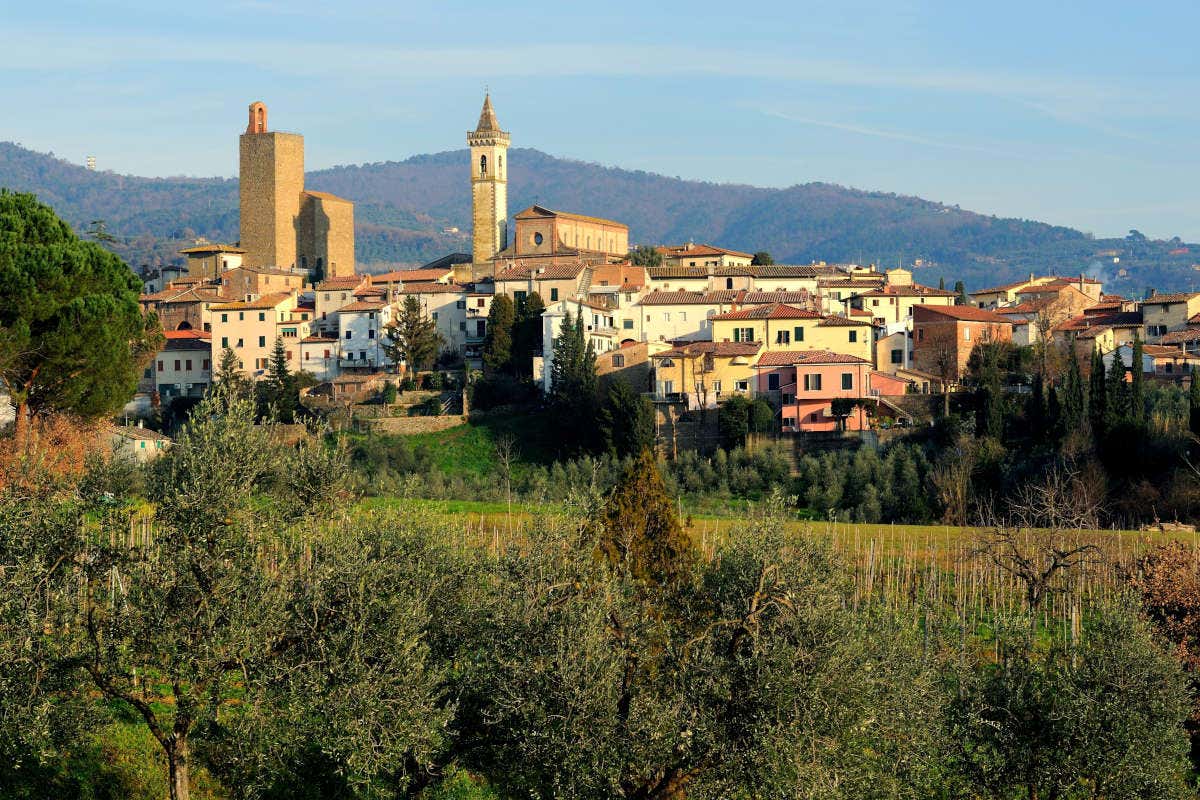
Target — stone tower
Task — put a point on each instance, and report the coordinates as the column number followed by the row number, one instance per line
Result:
column 271, row 181
column 489, row 186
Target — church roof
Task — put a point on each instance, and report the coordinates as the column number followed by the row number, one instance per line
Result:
column 541, row 212
column 487, row 117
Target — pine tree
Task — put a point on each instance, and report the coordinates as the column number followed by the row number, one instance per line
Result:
column 498, row 341
column 1053, row 411
column 1137, row 386
column 626, row 420
column 640, row 533
column 1097, row 396
column 277, row 393
column 942, row 283
column 1035, row 408
column 963, row 298
column 412, row 338
column 573, row 386
column 230, row 378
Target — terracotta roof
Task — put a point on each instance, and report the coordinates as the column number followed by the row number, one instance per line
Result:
column 538, row 212
column 266, row 271
column 429, row 287
column 684, row 250
column 523, row 271
column 685, row 298
column 134, row 432
column 318, row 338
column 836, row 320
column 1178, row 297
column 772, row 311
column 849, row 283
column 1189, row 335
column 266, row 301
column 787, row 358
column 1161, row 351
column 177, row 295
column 791, row 298
column 1101, row 322
column 345, row 282
column 186, row 334
column 962, row 313
column 658, row 273
column 722, row 349
column 1005, row 287
column 403, row 275
column 361, row 306
column 784, row 271
column 912, row 290
column 213, row 247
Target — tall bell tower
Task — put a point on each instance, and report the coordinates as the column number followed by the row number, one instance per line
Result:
column 489, row 186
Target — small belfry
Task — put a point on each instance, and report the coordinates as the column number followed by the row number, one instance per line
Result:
column 489, row 188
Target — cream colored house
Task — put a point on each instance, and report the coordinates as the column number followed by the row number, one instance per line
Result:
column 702, row 255
column 894, row 303
column 250, row 329
column 664, row 316
column 783, row 327
column 1167, row 313
column 704, row 373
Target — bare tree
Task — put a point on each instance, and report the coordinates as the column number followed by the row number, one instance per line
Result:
column 507, row 453
column 1036, row 537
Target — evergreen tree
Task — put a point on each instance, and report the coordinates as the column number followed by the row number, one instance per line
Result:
column 1054, row 414
column 1137, row 386
column 645, row 256
column 1035, row 408
column 626, row 420
column 573, row 386
column 412, row 338
column 527, row 334
column 1116, row 402
column 942, row 283
column 230, row 378
column 963, row 298
column 72, row 335
column 498, row 340
column 1194, row 404
column 733, row 422
column 1073, row 410
column 277, row 393
column 641, row 534
column 1097, row 395
column 762, row 259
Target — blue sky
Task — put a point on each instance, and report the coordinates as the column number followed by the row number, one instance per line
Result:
column 1082, row 114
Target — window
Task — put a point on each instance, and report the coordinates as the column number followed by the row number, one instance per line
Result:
column 538, row 238
column 460, row 304
column 240, row 343
column 668, row 387
column 262, row 316
column 262, row 341
column 553, row 292
column 519, row 297
column 188, row 365
column 847, row 380
column 224, row 318
column 627, row 324
column 875, row 303
column 479, row 303
column 434, row 315
column 788, row 398
column 206, row 365
column 742, row 386
column 483, row 165
column 349, row 334
column 224, row 343
column 897, row 355
column 743, row 334
column 854, row 336
column 728, row 281
column 371, row 333
column 783, row 337
column 920, row 334
column 160, row 367
column 241, row 315
column 683, row 316
column 666, row 316
column 812, row 383
column 966, row 334
column 618, row 361
column 371, row 315
column 773, row 382
column 799, row 333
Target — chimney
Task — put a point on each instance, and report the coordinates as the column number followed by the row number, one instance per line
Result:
column 1031, row 277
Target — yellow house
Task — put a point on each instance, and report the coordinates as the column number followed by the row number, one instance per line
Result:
column 894, row 302
column 250, row 329
column 702, row 374
column 782, row 327
column 702, row 255
column 1165, row 313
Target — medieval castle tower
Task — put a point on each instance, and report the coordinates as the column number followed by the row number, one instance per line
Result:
column 489, row 187
column 282, row 225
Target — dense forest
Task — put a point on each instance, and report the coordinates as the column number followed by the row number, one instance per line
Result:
column 405, row 208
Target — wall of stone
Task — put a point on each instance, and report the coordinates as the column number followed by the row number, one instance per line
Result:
column 407, row 426
column 271, row 180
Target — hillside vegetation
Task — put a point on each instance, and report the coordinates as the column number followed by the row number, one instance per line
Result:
column 404, row 207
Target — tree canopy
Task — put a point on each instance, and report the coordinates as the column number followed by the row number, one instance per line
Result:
column 72, row 335
column 413, row 338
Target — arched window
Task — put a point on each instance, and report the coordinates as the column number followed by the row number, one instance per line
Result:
column 262, row 124
column 499, row 166
column 303, row 262
column 483, row 165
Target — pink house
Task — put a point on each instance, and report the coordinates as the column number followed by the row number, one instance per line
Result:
column 807, row 382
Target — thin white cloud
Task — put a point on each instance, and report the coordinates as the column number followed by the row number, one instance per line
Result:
column 880, row 133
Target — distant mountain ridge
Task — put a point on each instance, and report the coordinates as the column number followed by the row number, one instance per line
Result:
column 407, row 212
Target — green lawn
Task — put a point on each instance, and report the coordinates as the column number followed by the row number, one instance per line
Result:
column 470, row 448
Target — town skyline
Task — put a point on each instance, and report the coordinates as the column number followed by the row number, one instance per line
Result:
column 904, row 99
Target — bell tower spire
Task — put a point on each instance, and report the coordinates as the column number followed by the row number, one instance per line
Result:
column 489, row 186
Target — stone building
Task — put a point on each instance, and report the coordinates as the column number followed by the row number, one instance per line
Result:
column 282, row 225
column 489, row 187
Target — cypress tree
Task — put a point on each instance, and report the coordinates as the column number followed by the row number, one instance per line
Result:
column 1116, row 403
column 1137, row 386
column 1097, row 395
column 1054, row 416
column 1073, row 404
column 1035, row 408
column 1194, row 404
column 498, row 339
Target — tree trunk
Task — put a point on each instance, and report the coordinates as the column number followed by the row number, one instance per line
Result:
column 21, row 427
column 177, row 761
column 945, row 399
